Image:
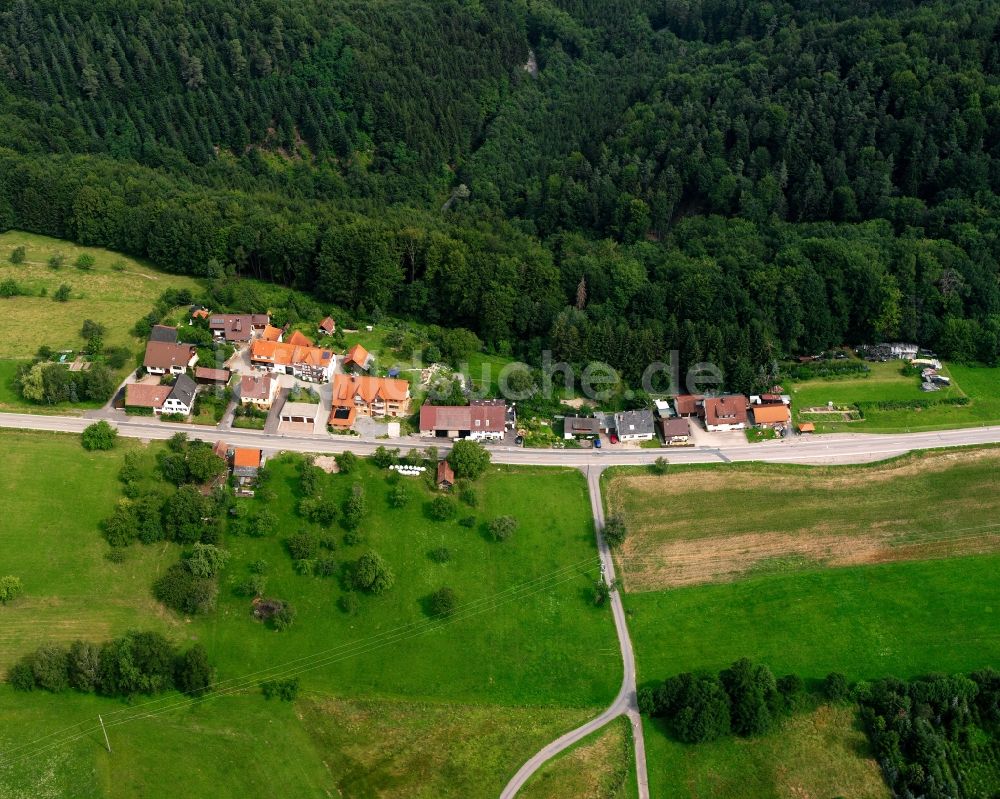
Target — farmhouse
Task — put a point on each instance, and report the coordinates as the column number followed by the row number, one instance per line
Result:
column 674, row 432
column 146, row 395
column 303, row 361
column 204, row 374
column 163, row 333
column 368, row 396
column 477, row 422
column 258, row 390
column 634, row 425
column 357, row 356
column 327, row 327
column 237, row 328
column 181, row 397
column 574, row 426
column 688, row 404
column 728, row 412
column 163, row 357
column 773, row 415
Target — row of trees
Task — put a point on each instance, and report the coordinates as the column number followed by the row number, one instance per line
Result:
column 135, row 663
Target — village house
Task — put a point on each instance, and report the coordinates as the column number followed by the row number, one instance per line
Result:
column 582, row 426
column 327, row 327
column 634, row 425
column 162, row 357
column 218, row 377
column 181, row 397
column 358, row 357
column 688, row 404
column 146, row 395
column 258, row 390
column 728, row 412
column 479, row 422
column 771, row 415
column 305, row 362
column 299, row 339
column 674, row 431
column 376, row 397
column 237, row 328
column 163, row 333
column 271, row 333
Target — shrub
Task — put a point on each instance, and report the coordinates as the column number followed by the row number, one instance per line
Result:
column 372, row 574
column 252, row 586
column 384, row 458
column 440, row 555
column 696, row 707
column 355, row 507
column 84, row 261
column 304, row 567
column 442, row 508
column 138, row 662
column 18, row 255
column 399, row 495
column 615, row 531
column 352, row 538
column 258, row 566
column 50, row 667
column 660, row 466
column 346, row 462
column 62, row 294
column 752, row 693
column 56, row 261
column 185, row 592
column 503, row 527
column 206, row 560
column 283, row 618
column 99, row 436
column 349, row 603
column 302, row 546
column 442, row 603
column 467, row 494
column 286, row 690
column 115, row 555
column 836, row 688
column 467, row 521
column 192, row 672
column 601, row 592
column 325, row 567
column 10, row 588
column 118, row 265
column 21, row 677
column 10, row 288
column 84, row 666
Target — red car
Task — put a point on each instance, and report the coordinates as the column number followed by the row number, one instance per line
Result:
column 613, row 438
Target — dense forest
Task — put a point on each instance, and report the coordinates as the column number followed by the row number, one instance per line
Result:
column 737, row 180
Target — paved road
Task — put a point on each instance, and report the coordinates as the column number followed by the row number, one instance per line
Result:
column 828, row 449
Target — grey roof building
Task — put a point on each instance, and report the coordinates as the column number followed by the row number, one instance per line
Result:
column 634, row 425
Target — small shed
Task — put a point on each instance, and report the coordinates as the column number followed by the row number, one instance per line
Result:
column 445, row 476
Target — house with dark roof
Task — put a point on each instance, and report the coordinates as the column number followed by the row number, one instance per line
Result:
column 582, row 426
column 181, row 397
column 163, row 333
column 728, row 412
column 162, row 357
column 258, row 390
column 480, row 422
column 218, row 377
column 635, row 425
column 238, row 328
column 688, row 404
column 674, row 431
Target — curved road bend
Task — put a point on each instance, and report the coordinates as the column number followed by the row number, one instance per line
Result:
column 625, row 703
column 837, row 448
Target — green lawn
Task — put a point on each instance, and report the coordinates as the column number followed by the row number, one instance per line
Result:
column 900, row 619
column 115, row 299
column 445, row 712
column 821, row 753
column 980, row 384
column 8, row 394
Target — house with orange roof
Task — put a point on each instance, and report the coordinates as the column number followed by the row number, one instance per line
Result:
column 146, row 395
column 300, row 340
column 771, row 415
column 327, row 327
column 271, row 333
column 728, row 412
column 246, row 464
column 358, row 356
column 313, row 364
column 362, row 395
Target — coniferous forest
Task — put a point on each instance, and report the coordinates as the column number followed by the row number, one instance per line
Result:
column 739, row 180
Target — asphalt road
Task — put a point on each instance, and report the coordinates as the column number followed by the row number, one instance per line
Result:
column 827, row 449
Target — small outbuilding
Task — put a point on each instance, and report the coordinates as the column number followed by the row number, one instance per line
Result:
column 445, row 475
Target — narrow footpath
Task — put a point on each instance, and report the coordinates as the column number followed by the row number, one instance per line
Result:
column 625, row 703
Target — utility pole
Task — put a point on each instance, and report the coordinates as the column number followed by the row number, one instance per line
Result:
column 107, row 743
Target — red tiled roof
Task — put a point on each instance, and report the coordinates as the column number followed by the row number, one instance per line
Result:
column 287, row 353
column 328, row 325
column 206, row 373
column 445, row 474
column 300, row 340
column 347, row 387
column 246, row 458
column 487, row 418
column 687, row 404
column 357, row 355
column 342, row 415
column 253, row 387
column 729, row 409
column 271, row 333
column 145, row 395
column 771, row 414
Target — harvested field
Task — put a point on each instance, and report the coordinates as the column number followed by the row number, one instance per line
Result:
column 715, row 525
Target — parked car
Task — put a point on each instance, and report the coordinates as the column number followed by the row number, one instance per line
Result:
column 597, row 443
column 613, row 438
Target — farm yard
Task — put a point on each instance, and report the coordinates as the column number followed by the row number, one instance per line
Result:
column 534, row 659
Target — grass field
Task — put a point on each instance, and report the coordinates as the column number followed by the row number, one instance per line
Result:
column 899, row 619
column 446, row 712
column 115, row 299
column 691, row 526
column 817, row 754
column 885, row 382
column 599, row 767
